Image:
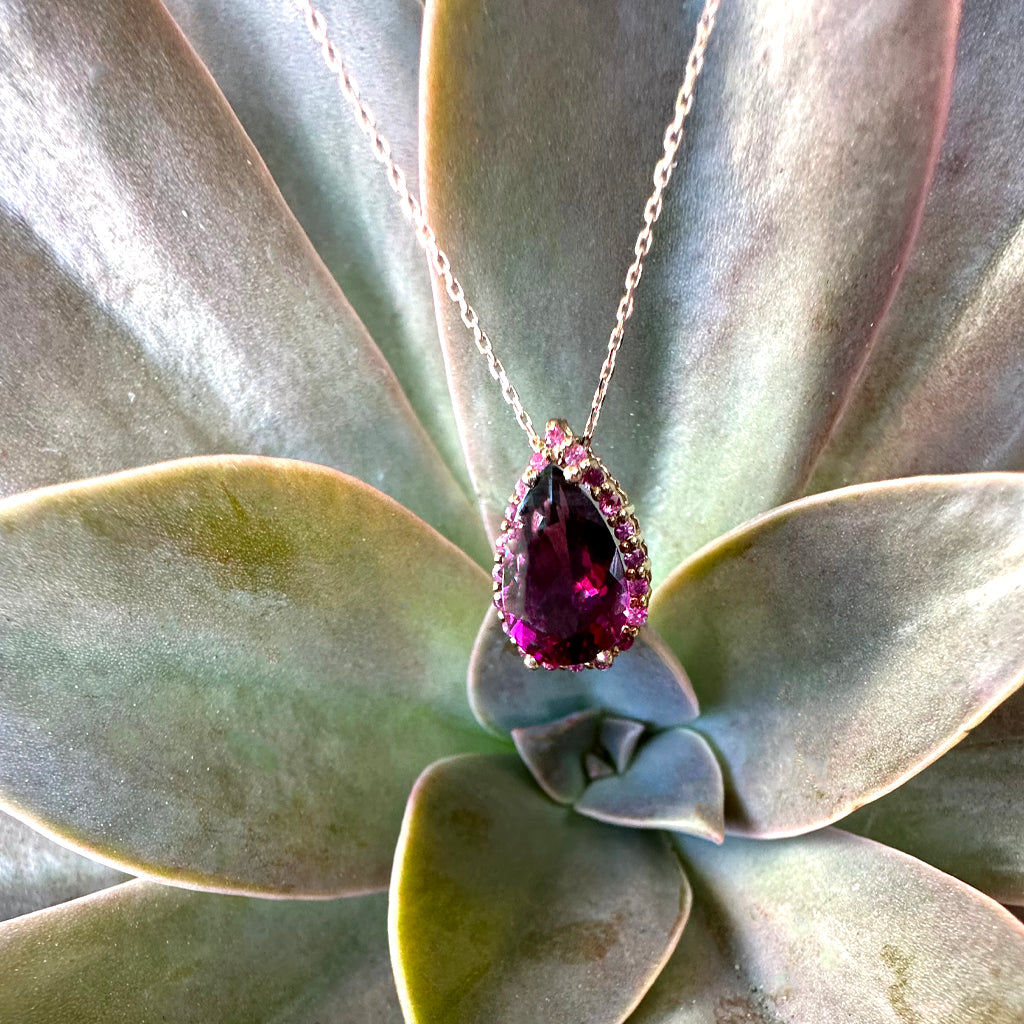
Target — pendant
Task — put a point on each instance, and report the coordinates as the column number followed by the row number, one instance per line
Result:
column 571, row 574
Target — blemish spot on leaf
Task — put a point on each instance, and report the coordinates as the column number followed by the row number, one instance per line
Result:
column 575, row 942
column 744, row 1010
column 245, row 549
column 470, row 826
column 899, row 963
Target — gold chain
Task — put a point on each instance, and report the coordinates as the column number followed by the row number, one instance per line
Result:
column 439, row 260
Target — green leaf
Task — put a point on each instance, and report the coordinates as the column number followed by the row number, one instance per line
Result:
column 841, row 643
column 158, row 297
column 798, row 188
column 36, row 873
column 964, row 814
column 228, row 672
column 269, row 68
column 673, row 783
column 507, row 907
column 555, row 753
column 942, row 392
column 831, row 927
column 146, row 952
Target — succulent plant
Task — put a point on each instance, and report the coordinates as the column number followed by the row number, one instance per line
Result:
column 242, row 677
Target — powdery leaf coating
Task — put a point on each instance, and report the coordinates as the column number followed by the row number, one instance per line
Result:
column 841, row 643
column 228, row 672
column 944, row 389
column 832, row 927
column 964, row 813
column 507, row 907
column 147, row 952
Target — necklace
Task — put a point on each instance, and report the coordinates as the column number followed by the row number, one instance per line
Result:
column 571, row 577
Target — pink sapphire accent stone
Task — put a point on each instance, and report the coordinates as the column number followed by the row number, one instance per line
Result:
column 575, row 455
column 555, row 436
column 538, row 461
column 625, row 530
column 563, row 588
column 594, row 476
column 637, row 588
column 634, row 559
column 610, row 504
column 636, row 616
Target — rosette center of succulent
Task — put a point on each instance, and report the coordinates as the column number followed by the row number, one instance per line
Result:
column 571, row 571
column 622, row 771
column 567, row 755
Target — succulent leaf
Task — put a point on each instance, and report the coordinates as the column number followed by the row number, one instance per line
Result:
column 271, row 73
column 556, row 753
column 807, row 156
column 227, row 672
column 648, row 686
column 507, row 907
column 964, row 814
column 136, row 214
column 944, row 390
column 841, row 643
column 36, row 873
column 142, row 951
column 674, row 783
column 831, row 927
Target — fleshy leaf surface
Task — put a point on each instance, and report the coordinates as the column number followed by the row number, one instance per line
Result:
column 507, row 907
column 228, row 672
column 36, row 873
column 832, row 927
column 964, row 813
column 269, row 69
column 647, row 685
column 944, row 389
column 147, row 952
column 841, row 643
column 555, row 753
column 157, row 297
column 798, row 190
column 674, row 783
column 620, row 737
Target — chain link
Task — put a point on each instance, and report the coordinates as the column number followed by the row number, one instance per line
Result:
column 412, row 209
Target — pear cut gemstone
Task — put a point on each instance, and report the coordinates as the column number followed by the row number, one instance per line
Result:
column 562, row 586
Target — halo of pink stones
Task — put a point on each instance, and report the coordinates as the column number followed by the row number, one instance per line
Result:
column 581, row 466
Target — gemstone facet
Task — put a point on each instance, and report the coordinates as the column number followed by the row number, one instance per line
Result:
column 567, row 594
